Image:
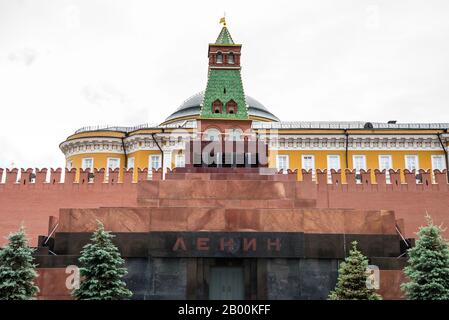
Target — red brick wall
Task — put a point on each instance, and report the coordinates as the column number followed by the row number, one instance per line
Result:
column 33, row 204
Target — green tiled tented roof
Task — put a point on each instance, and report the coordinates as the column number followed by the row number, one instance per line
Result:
column 224, row 37
column 224, row 84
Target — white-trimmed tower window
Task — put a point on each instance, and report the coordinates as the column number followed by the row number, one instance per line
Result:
column 180, row 160
column 359, row 163
column 154, row 163
column 385, row 163
column 333, row 162
column 438, row 163
column 231, row 58
column 308, row 163
column 69, row 165
column 130, row 164
column 87, row 163
column 219, row 57
column 282, row 162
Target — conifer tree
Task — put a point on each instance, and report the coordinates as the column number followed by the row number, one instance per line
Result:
column 17, row 271
column 352, row 278
column 102, row 269
column 428, row 266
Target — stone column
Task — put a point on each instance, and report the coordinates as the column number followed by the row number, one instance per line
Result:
column 167, row 162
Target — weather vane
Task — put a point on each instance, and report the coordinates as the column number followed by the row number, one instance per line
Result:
column 223, row 20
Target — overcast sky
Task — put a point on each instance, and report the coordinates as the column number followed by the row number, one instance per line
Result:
column 68, row 64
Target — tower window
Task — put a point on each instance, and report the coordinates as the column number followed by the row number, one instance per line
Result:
column 231, row 107
column 217, row 106
column 219, row 57
column 231, row 58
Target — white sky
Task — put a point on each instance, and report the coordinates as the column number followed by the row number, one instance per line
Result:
column 67, row 64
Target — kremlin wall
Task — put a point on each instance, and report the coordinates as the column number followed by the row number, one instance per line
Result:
column 32, row 203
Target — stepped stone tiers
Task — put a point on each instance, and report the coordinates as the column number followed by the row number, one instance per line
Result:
column 183, row 226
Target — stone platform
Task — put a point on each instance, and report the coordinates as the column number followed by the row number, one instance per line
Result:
column 192, row 221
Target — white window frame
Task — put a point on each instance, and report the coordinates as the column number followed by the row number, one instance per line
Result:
column 109, row 166
column 150, row 162
column 287, row 162
column 130, row 160
column 357, row 170
column 387, row 170
column 418, row 180
column 150, row 167
column 329, row 175
column 181, row 164
column 407, row 156
column 313, row 164
column 91, row 167
column 360, row 156
column 443, row 161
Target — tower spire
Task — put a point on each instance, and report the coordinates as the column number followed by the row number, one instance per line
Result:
column 224, row 97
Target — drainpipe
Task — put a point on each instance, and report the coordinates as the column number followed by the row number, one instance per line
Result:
column 445, row 154
column 346, row 147
column 162, row 154
column 124, row 150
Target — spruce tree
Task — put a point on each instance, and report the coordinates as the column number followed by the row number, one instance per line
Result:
column 102, row 269
column 352, row 278
column 428, row 266
column 17, row 271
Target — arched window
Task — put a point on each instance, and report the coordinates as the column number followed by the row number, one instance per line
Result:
column 212, row 135
column 217, row 106
column 219, row 57
column 231, row 107
column 235, row 134
column 231, row 58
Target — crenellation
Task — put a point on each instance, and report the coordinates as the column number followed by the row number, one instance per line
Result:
column 425, row 180
column 11, row 176
column 70, row 176
column 99, row 176
column 410, row 179
column 335, row 177
column 113, row 176
column 41, row 176
column 366, row 179
column 441, row 179
column 84, row 176
column 395, row 179
column 142, row 174
column 26, row 176
column 128, row 175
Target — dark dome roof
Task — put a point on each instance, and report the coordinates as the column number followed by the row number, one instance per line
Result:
column 191, row 107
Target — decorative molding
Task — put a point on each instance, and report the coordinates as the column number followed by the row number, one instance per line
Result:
column 91, row 145
column 378, row 143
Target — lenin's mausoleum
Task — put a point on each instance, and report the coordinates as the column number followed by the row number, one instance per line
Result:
column 224, row 200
